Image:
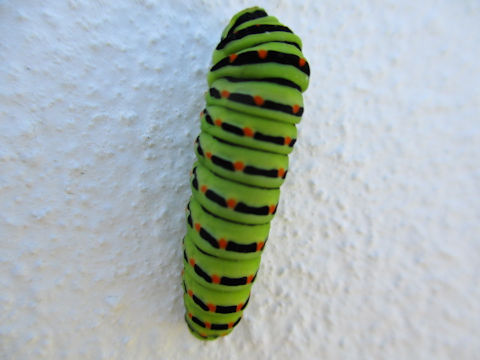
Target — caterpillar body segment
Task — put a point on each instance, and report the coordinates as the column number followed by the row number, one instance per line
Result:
column 248, row 128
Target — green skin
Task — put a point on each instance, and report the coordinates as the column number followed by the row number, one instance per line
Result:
column 252, row 196
column 252, row 124
column 266, row 91
column 216, row 298
column 267, row 70
column 243, row 157
column 223, row 240
column 214, row 266
column 230, row 232
column 253, row 40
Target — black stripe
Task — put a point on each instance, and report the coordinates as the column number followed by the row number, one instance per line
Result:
column 214, row 93
column 268, row 104
column 225, row 280
column 242, row 98
column 244, row 208
column 292, row 142
column 279, row 140
column 246, row 302
column 199, row 302
column 189, row 219
column 236, row 322
column 241, row 248
column 247, row 17
column 199, row 149
column 252, row 170
column 205, row 235
column 185, row 256
column 216, row 198
column 279, row 81
column 198, row 321
column 202, row 273
column 222, row 163
column 281, row 107
column 208, row 118
column 195, row 182
column 251, row 30
column 232, row 128
column 219, row 327
column 225, row 309
column 251, row 57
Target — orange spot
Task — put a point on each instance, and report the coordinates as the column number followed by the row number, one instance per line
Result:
column 225, row 94
column 208, row 325
column 203, row 188
column 281, row 172
column 201, row 113
column 288, row 140
column 230, row 325
column 198, row 226
column 211, row 307
column 231, row 203
column 190, row 293
column 249, row 279
column 301, row 61
column 222, row 243
column 258, row 100
column 190, row 315
column 218, row 122
column 192, row 262
column 232, row 57
column 295, row 108
column 215, row 279
column 248, row 132
column 260, row 245
column 239, row 307
column 272, row 209
column 262, row 54
column 238, row 165
column 203, row 335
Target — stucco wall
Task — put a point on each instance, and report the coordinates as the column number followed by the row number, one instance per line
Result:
column 374, row 252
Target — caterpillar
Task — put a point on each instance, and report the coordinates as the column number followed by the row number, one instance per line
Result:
column 248, row 128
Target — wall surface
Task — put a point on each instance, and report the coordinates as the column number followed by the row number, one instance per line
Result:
column 375, row 249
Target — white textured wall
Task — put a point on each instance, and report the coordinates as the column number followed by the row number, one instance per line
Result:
column 375, row 251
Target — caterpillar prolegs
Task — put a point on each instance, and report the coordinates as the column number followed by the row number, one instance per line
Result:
column 247, row 131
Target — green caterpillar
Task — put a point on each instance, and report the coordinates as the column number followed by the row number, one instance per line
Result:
column 247, row 131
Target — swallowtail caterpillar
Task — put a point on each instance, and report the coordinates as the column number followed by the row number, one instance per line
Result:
column 247, row 131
